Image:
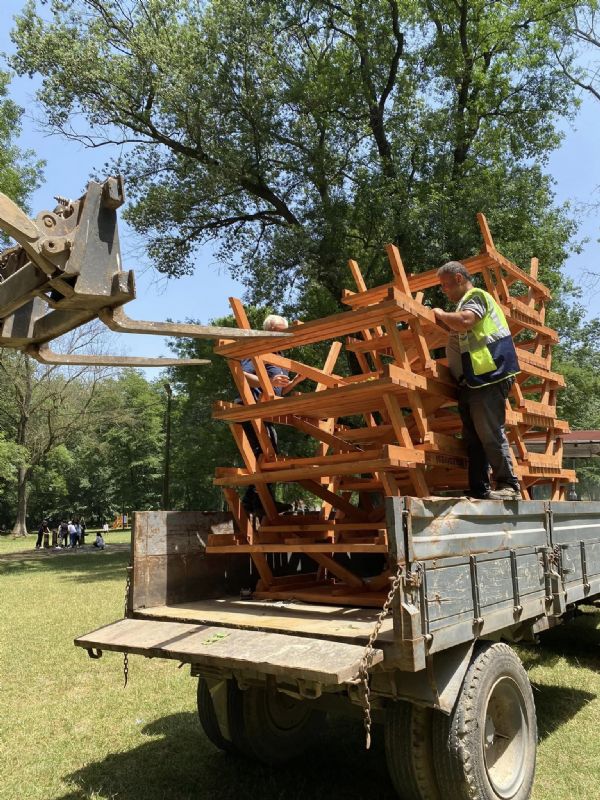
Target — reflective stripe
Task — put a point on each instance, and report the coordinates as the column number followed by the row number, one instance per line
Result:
column 487, row 350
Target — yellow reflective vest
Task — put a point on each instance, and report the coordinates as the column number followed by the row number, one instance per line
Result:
column 487, row 351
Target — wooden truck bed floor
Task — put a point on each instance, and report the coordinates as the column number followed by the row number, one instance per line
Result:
column 300, row 619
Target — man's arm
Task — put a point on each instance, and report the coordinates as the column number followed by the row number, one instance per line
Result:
column 455, row 320
column 276, row 380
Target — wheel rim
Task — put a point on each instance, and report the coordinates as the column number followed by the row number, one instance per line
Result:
column 285, row 713
column 506, row 738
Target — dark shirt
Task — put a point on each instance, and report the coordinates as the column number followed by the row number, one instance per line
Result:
column 272, row 370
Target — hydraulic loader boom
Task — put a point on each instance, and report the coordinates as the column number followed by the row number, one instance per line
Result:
column 66, row 270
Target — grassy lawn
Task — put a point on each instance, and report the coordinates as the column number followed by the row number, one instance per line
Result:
column 69, row 730
column 23, row 543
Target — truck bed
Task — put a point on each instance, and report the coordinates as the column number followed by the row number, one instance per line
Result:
column 301, row 619
column 469, row 570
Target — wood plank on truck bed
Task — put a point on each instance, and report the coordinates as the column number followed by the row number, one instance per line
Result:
column 301, row 619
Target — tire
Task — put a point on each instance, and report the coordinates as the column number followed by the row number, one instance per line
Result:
column 207, row 713
column 409, row 751
column 486, row 749
column 271, row 726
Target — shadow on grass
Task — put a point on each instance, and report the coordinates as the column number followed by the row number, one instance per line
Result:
column 181, row 764
column 577, row 642
column 556, row 705
column 92, row 567
column 178, row 762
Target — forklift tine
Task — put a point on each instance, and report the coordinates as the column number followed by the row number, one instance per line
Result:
column 44, row 355
column 117, row 320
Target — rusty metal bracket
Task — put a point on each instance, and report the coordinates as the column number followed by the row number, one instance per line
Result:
column 584, row 569
column 477, row 618
column 517, row 608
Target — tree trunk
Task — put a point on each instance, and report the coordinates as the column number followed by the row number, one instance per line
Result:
column 20, row 526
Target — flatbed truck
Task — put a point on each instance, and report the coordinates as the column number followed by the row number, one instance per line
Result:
column 435, row 666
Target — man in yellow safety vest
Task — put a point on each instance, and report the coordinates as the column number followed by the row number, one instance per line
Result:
column 483, row 361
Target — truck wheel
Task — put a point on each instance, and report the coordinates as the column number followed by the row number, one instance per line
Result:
column 409, row 751
column 212, row 706
column 485, row 750
column 271, row 726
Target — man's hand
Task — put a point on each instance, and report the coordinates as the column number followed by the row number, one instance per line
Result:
column 439, row 318
column 280, row 380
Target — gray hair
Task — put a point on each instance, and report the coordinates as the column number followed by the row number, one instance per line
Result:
column 454, row 268
column 272, row 320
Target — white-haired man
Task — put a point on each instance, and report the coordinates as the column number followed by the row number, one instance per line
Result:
column 483, row 360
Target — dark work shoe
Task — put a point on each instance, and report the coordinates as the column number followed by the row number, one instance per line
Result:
column 506, row 493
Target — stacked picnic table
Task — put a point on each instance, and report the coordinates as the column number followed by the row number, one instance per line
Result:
column 390, row 430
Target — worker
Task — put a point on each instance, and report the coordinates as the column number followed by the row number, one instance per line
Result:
column 483, row 361
column 279, row 379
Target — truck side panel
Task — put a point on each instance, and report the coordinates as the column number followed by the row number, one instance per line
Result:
column 476, row 568
column 169, row 560
column 575, row 531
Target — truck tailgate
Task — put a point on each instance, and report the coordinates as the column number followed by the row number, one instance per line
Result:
column 320, row 660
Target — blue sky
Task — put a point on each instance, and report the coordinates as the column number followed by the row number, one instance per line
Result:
column 575, row 167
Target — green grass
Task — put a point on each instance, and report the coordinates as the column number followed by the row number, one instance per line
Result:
column 70, row 731
column 22, row 543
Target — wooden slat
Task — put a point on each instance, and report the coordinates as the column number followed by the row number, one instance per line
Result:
column 257, row 362
column 400, row 279
column 342, row 324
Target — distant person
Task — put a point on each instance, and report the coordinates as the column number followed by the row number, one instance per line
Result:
column 63, row 534
column 99, row 543
column 572, row 494
column 82, row 530
column 41, row 531
column 72, row 533
column 78, row 532
column 105, row 528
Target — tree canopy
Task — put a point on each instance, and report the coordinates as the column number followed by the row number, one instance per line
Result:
column 297, row 134
column 294, row 135
column 20, row 171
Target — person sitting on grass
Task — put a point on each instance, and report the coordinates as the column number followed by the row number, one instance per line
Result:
column 99, row 543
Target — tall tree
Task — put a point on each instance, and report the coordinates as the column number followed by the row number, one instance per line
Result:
column 41, row 408
column 20, row 171
column 300, row 133
column 129, row 441
column 583, row 34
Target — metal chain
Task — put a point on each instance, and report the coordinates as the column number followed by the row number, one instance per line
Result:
column 367, row 659
column 126, row 654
